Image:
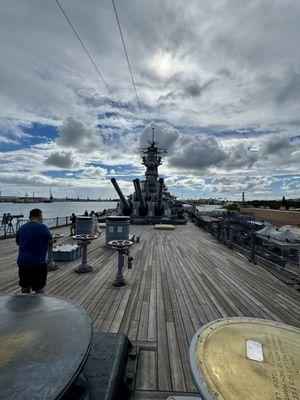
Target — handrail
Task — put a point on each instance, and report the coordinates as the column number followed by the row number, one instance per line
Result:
column 9, row 229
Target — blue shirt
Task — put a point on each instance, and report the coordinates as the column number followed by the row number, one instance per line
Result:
column 32, row 239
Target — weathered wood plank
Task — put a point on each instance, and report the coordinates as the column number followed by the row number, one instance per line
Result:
column 180, row 280
column 148, row 376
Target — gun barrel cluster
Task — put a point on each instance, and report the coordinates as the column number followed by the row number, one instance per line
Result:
column 139, row 193
column 142, row 196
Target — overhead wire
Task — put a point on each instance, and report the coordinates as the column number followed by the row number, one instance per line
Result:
column 92, row 60
column 127, row 58
column 85, row 49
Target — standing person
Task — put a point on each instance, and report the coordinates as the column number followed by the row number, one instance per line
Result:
column 33, row 239
column 95, row 223
column 86, row 213
column 73, row 223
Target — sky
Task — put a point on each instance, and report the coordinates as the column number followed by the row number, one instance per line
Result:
column 218, row 80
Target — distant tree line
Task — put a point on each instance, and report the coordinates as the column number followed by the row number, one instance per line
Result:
column 233, row 207
column 275, row 204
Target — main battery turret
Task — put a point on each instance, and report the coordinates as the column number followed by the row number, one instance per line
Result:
column 151, row 202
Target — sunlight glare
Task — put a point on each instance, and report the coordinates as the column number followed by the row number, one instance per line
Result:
column 164, row 64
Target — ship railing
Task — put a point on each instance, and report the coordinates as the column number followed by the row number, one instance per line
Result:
column 9, row 230
column 240, row 236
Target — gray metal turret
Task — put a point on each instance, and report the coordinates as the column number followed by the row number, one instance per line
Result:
column 151, row 203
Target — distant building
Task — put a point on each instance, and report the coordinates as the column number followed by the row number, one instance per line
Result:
column 275, row 217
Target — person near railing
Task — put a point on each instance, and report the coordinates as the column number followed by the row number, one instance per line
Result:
column 73, row 223
column 33, row 239
column 4, row 222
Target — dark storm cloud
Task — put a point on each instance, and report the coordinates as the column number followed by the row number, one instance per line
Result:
column 202, row 152
column 164, row 135
column 189, row 89
column 289, row 88
column 76, row 134
column 280, row 151
column 193, row 89
column 240, row 156
column 275, row 144
column 169, row 97
column 197, row 153
column 62, row 160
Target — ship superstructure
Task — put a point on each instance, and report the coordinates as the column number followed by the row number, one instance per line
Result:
column 151, row 202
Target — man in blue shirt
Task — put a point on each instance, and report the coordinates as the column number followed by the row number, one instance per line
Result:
column 33, row 239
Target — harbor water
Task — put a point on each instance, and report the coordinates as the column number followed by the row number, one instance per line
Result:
column 56, row 209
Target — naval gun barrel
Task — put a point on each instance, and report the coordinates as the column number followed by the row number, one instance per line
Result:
column 139, row 193
column 135, row 190
column 159, row 205
column 146, row 188
column 125, row 202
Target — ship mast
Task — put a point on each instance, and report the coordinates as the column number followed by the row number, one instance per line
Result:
column 152, row 160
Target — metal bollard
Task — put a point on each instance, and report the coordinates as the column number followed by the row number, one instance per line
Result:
column 122, row 246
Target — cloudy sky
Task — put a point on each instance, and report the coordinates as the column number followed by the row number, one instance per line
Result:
column 219, row 80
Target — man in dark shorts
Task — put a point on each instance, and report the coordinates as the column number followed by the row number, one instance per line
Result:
column 33, row 239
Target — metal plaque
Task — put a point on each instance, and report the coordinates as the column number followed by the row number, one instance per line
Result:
column 248, row 359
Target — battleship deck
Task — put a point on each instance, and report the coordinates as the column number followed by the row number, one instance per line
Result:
column 180, row 280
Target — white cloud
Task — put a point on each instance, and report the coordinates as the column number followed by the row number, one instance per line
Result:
column 224, row 74
column 4, row 139
column 191, row 183
column 94, row 172
column 13, row 178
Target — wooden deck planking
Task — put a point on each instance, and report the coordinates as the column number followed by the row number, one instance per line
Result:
column 180, row 280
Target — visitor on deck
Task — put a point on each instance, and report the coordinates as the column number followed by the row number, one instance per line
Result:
column 33, row 239
column 4, row 220
column 86, row 213
column 95, row 224
column 73, row 223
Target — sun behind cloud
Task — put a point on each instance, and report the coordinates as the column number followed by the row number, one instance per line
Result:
column 165, row 64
